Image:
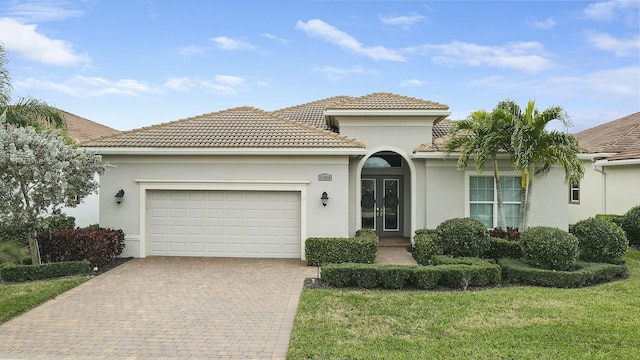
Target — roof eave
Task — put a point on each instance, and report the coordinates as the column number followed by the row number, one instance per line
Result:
column 397, row 112
column 601, row 163
column 445, row 155
column 330, row 114
column 226, row 151
column 594, row 156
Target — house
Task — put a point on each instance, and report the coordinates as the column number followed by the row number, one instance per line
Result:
column 244, row 182
column 81, row 129
column 612, row 169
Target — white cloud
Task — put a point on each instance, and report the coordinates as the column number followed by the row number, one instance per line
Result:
column 402, row 21
column 618, row 84
column 28, row 43
column 330, row 34
column 336, row 73
column 221, row 84
column 608, row 10
column 45, row 10
column 545, row 24
column 527, row 56
column 273, row 37
column 226, row 43
column 84, row 86
column 191, row 50
column 413, row 83
column 617, row 46
column 230, row 80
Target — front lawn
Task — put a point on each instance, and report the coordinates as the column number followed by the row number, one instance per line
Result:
column 16, row 299
column 502, row 323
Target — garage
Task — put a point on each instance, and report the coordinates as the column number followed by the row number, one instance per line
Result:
column 258, row 224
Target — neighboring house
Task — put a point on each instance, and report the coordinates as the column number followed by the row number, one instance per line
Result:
column 81, row 129
column 612, row 170
column 244, row 182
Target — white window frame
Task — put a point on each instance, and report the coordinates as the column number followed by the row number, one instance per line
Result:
column 574, row 187
column 467, row 192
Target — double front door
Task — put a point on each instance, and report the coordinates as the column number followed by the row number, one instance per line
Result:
column 382, row 205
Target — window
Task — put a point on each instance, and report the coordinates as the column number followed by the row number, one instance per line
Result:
column 383, row 160
column 574, row 193
column 483, row 200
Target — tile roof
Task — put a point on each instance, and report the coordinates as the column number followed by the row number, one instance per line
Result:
column 387, row 101
column 241, row 127
column 81, row 129
column 620, row 136
column 439, row 136
column 312, row 113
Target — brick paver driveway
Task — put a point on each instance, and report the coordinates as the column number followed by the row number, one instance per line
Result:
column 163, row 307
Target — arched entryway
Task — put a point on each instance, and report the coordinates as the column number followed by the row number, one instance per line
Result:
column 385, row 188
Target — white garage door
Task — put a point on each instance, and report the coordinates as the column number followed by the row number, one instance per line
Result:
column 260, row 224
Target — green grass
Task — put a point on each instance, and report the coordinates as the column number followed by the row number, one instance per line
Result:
column 16, row 299
column 600, row 322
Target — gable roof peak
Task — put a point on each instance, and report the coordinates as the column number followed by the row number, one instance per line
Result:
column 387, row 101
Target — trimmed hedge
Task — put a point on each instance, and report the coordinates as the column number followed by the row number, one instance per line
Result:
column 425, row 247
column 96, row 245
column 617, row 219
column 361, row 249
column 502, row 248
column 366, row 233
column 451, row 273
column 426, row 231
column 462, row 237
column 20, row 273
column 549, row 248
column 631, row 225
column 600, row 240
column 520, row 273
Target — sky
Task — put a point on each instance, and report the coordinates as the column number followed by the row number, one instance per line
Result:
column 134, row 63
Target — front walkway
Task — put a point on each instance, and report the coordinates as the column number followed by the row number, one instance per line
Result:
column 167, row 308
column 394, row 251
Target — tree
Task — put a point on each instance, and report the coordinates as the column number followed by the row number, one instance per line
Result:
column 25, row 111
column 483, row 135
column 535, row 150
column 39, row 173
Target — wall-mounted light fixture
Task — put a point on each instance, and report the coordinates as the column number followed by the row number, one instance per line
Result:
column 324, row 198
column 119, row 196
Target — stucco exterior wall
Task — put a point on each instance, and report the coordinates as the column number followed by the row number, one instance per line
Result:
column 611, row 190
column 623, row 188
column 591, row 191
column 444, row 196
column 130, row 171
column 447, row 194
column 378, row 131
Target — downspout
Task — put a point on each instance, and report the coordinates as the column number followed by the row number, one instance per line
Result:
column 604, row 185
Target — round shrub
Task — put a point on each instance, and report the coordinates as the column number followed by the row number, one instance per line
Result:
column 425, row 247
column 463, row 237
column 631, row 225
column 549, row 248
column 599, row 240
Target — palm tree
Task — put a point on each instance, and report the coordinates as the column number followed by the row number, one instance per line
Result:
column 535, row 150
column 25, row 111
column 483, row 135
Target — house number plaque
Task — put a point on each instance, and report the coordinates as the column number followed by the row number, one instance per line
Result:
column 325, row 177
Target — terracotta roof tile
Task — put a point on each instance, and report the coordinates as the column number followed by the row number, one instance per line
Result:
column 242, row 127
column 387, row 101
column 312, row 113
column 81, row 129
column 439, row 135
column 616, row 136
